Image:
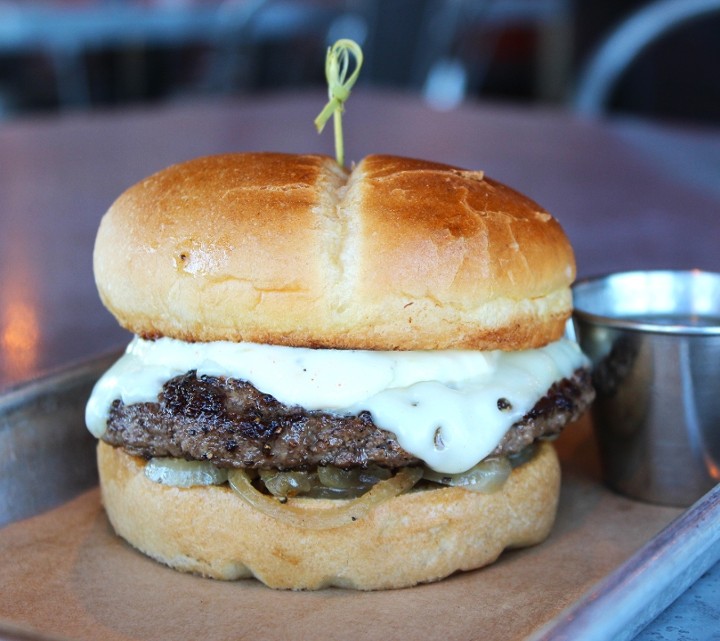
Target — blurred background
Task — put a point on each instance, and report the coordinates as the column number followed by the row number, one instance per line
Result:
column 654, row 58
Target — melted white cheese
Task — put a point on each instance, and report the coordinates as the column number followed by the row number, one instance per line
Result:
column 441, row 405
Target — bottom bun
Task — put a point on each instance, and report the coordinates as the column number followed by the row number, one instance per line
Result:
column 417, row 537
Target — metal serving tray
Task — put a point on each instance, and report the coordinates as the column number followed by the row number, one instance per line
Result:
column 46, row 457
column 610, row 566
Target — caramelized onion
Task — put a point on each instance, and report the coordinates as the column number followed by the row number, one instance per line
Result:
column 287, row 483
column 487, row 476
column 524, row 455
column 344, row 513
column 359, row 479
column 182, row 473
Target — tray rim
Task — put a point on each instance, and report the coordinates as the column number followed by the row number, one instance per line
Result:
column 643, row 586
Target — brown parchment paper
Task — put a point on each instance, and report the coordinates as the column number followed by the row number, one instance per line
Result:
column 64, row 574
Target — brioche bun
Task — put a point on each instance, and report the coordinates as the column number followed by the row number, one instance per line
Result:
column 416, row 537
column 395, row 254
column 292, row 250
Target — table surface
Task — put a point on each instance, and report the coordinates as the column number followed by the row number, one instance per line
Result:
column 630, row 195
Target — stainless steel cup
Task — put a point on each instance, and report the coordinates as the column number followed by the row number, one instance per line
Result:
column 654, row 341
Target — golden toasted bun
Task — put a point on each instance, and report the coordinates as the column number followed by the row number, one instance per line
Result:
column 293, row 250
column 414, row 538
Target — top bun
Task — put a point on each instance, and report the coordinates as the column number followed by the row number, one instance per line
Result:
column 294, row 250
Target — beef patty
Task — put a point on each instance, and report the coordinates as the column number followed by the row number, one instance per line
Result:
column 232, row 424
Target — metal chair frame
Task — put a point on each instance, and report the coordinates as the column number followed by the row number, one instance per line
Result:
column 618, row 52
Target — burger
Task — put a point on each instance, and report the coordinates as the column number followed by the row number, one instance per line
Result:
column 338, row 377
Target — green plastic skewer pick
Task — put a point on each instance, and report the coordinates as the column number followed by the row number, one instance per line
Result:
column 337, row 66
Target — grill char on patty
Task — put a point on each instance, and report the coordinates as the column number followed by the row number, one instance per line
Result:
column 232, row 424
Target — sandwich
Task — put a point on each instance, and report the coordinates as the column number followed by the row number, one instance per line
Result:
column 346, row 378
